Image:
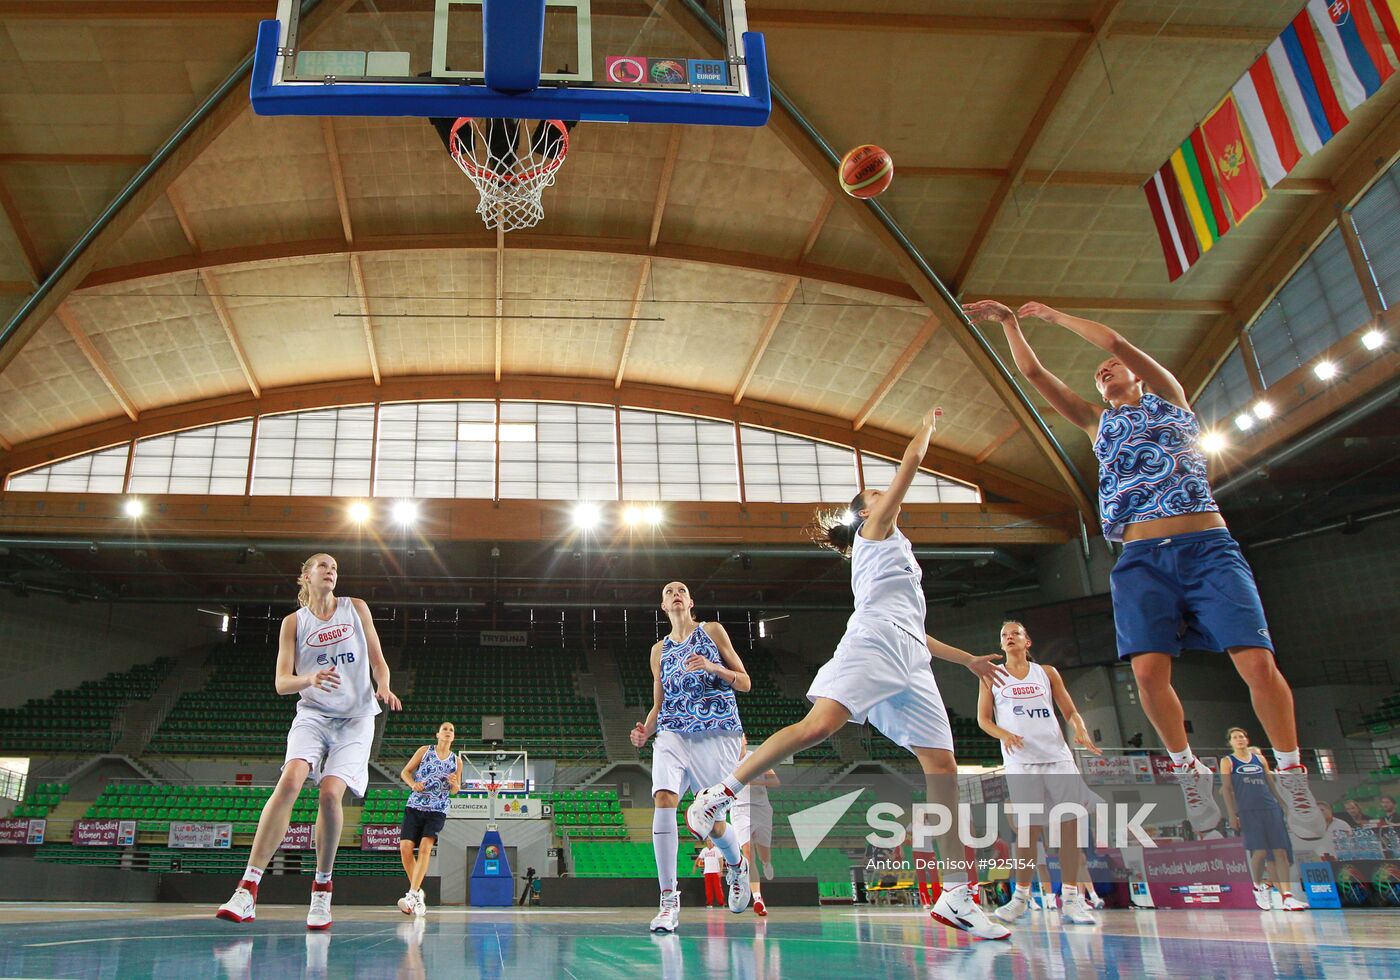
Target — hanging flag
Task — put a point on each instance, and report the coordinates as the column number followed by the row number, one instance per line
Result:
column 1307, row 89
column 1173, row 226
column 1356, row 48
column 1388, row 13
column 1197, row 141
column 1262, row 111
column 1239, row 176
column 1186, row 166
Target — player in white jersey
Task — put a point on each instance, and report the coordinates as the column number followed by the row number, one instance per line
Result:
column 1040, row 769
column 881, row 672
column 752, row 818
column 327, row 652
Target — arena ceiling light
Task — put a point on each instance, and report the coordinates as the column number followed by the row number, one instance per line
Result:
column 359, row 512
column 1325, row 370
column 133, row 508
column 1263, row 409
column 1213, row 442
column 1244, row 421
column 652, row 515
column 405, row 512
column 587, row 516
column 631, row 515
column 1373, row 339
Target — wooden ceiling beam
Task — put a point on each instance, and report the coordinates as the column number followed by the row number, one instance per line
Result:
column 1016, row 169
column 643, row 276
column 1049, row 503
column 481, row 241
column 770, row 327
column 98, row 362
column 500, row 294
column 1113, row 304
column 76, row 159
column 357, row 274
column 960, row 25
column 997, row 442
column 100, row 10
column 1090, row 178
column 28, row 250
column 1370, row 160
column 6, row 445
column 663, row 187
column 211, row 289
column 16, row 287
column 897, row 369
column 342, row 202
column 818, row 223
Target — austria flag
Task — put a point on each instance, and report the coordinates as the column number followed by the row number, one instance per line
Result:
column 1351, row 37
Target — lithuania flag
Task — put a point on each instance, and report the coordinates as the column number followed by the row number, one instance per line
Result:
column 1198, row 191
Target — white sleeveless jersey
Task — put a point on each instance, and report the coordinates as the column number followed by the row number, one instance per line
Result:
column 339, row 641
column 754, row 794
column 1027, row 708
column 888, row 584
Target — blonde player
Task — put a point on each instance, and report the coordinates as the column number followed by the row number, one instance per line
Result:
column 880, row 671
column 752, row 819
column 695, row 673
column 328, row 652
column 1040, row 769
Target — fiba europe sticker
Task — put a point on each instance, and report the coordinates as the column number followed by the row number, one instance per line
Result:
column 707, row 72
column 667, row 71
column 625, row 70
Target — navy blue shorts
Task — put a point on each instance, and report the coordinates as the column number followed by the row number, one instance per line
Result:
column 1186, row 592
column 418, row 824
column 1265, row 830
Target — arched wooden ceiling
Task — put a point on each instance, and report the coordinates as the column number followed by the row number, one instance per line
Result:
column 266, row 255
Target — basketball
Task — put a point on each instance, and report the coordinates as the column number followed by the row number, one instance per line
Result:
column 866, row 171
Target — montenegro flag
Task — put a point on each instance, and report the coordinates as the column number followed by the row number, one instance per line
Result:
column 1233, row 159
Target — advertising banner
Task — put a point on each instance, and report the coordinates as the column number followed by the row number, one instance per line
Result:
column 301, row 837
column 1199, row 874
column 199, row 835
column 380, row 837
column 21, row 830
column 104, row 833
column 507, row 808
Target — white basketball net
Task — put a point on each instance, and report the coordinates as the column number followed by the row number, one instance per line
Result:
column 511, row 162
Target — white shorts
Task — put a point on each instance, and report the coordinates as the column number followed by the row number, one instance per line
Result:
column 752, row 823
column 333, row 747
column 680, row 762
column 1048, row 784
column 881, row 673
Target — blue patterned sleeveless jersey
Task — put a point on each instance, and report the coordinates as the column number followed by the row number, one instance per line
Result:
column 433, row 773
column 1149, row 466
column 694, row 701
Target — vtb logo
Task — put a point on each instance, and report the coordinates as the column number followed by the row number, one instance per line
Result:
column 1025, row 712
column 331, row 635
column 332, row 659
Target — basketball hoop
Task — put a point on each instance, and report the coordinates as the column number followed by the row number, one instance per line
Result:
column 511, row 162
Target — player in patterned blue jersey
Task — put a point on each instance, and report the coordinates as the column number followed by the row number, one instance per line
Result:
column 695, row 673
column 435, row 776
column 1180, row 566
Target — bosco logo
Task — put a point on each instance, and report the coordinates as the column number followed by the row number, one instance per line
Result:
column 1024, row 691
column 331, row 635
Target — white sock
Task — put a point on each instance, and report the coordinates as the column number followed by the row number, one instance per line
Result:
column 1282, row 760
column 1023, row 890
column 323, row 877
column 1069, row 893
column 253, row 874
column 664, row 842
column 1183, row 757
column 732, row 784
column 728, row 844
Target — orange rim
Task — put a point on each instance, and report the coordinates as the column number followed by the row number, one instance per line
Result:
column 474, row 170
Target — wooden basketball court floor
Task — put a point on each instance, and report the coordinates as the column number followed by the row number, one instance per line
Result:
column 185, row 941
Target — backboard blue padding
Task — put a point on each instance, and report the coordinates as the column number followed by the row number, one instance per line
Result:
column 513, row 44
column 271, row 98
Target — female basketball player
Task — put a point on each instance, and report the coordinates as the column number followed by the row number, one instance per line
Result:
column 434, row 777
column 1178, row 555
column 1256, row 811
column 880, row 671
column 1039, row 769
column 327, row 652
column 695, row 673
column 752, row 818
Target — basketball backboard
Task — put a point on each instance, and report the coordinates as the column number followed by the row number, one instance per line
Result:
column 683, row 61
